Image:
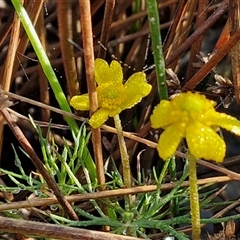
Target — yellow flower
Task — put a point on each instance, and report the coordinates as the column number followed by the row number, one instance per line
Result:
column 192, row 116
column 113, row 95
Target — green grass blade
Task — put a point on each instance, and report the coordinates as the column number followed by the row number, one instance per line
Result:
column 44, row 61
column 153, row 19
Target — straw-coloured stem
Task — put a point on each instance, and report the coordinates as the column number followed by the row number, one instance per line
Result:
column 194, row 199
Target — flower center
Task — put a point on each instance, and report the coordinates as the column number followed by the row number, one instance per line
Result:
column 110, row 95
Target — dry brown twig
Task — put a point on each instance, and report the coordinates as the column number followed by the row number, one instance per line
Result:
column 107, row 193
column 87, row 35
column 55, row 231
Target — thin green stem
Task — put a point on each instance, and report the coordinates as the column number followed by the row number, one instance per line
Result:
column 123, row 152
column 153, row 19
column 44, row 61
column 194, row 198
column 154, row 25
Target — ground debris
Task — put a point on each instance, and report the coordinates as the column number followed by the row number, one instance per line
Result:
column 226, row 234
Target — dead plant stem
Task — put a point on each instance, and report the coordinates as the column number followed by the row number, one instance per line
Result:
column 196, row 46
column 37, row 202
column 55, row 231
column 87, row 35
column 8, row 66
column 64, row 15
column 107, row 21
column 234, row 26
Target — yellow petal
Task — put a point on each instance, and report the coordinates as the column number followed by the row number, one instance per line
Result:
column 136, row 88
column 223, row 120
column 204, row 142
column 170, row 139
column 101, row 71
column 99, row 117
column 105, row 74
column 117, row 73
column 80, row 102
column 165, row 114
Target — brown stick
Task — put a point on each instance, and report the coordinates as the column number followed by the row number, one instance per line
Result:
column 173, row 26
column 55, row 231
column 109, row 193
column 196, row 46
column 85, row 13
column 107, row 21
column 234, row 25
column 64, row 16
column 7, row 69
